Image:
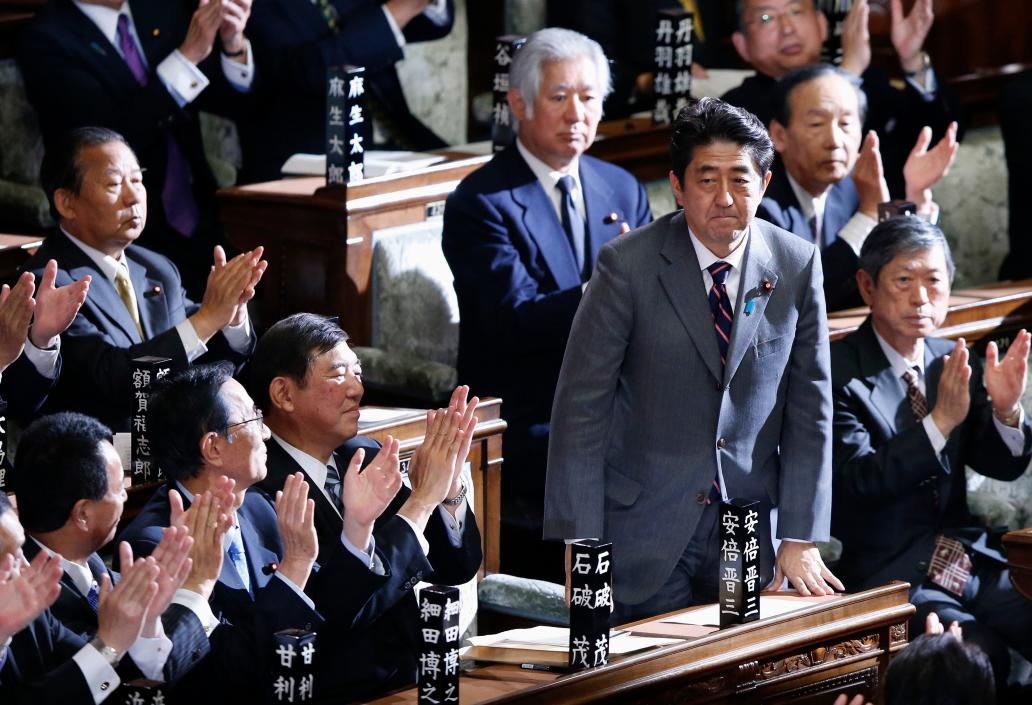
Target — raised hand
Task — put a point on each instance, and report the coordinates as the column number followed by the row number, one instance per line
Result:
column 230, row 286
column 802, row 564
column 56, row 307
column 200, row 35
column 1005, row 379
column 295, row 517
column 367, row 493
column 908, row 33
column 207, row 520
column 124, row 608
column 924, row 167
column 404, row 11
column 235, row 14
column 172, row 558
column 856, row 38
column 16, row 307
column 25, row 594
column 467, row 423
column 953, row 398
column 869, row 177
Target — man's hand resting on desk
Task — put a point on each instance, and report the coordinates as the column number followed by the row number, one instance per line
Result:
column 801, row 563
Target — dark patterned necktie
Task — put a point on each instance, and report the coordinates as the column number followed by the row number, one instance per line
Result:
column 815, row 228
column 93, row 596
column 573, row 224
column 332, row 485
column 720, row 307
column 177, row 196
column 918, row 403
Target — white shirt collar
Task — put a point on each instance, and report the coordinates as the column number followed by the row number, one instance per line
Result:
column 106, row 263
column 899, row 363
column 81, row 575
column 810, row 204
column 106, row 18
column 706, row 257
column 312, row 466
column 546, row 174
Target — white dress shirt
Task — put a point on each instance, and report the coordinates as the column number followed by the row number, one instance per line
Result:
column 183, row 80
column 549, row 180
column 854, row 232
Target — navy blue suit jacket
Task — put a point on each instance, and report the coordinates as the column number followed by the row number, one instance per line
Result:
column 518, row 285
column 75, row 77
column 383, row 648
column 293, row 46
column 102, row 341
column 781, row 207
column 189, row 642
column 892, row 494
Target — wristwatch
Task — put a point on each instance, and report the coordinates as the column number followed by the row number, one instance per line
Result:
column 457, row 499
column 926, row 63
column 109, row 653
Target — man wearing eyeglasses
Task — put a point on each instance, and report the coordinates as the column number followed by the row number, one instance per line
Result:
column 777, row 36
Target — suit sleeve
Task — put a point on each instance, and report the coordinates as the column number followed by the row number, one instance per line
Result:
column 495, row 284
column 453, row 565
column 804, row 482
column 588, row 379
column 24, row 388
column 984, row 451
column 839, row 262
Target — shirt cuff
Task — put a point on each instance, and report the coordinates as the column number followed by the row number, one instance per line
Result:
column 239, row 336
column 192, row 344
column 101, row 679
column 856, row 230
column 569, row 542
column 300, row 593
column 45, row 361
column 367, row 556
column 199, row 606
column 453, row 525
column 423, row 543
column 240, row 76
column 935, row 436
column 1013, row 438
column 399, row 37
column 182, row 79
column 150, row 654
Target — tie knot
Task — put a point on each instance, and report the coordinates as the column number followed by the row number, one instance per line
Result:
column 566, row 184
column 719, row 272
column 910, row 377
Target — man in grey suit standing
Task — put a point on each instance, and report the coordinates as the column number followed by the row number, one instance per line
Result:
column 697, row 368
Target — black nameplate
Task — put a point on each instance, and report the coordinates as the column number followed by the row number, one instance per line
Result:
column 673, row 59
column 346, row 119
column 146, row 371
column 740, row 536
column 438, row 668
column 836, row 11
column 293, row 666
column 591, row 601
column 502, row 133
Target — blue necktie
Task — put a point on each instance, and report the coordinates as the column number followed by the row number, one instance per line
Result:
column 237, row 557
column 720, row 307
column 573, row 224
column 93, row 596
column 332, row 485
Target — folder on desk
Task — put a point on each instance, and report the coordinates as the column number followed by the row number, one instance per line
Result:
column 548, row 646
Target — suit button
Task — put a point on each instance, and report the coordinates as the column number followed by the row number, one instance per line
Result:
column 700, row 498
column 719, row 386
column 722, row 443
column 922, row 567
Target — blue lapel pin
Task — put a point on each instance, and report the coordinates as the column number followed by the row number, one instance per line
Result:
column 98, row 48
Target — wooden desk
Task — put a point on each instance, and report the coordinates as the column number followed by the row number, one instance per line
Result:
column 809, row 656
column 1019, row 559
column 14, row 251
column 980, row 314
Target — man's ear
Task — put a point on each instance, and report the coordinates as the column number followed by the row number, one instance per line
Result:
column 822, row 24
column 778, row 135
column 866, row 285
column 80, row 515
column 742, row 45
column 281, row 394
column 677, row 187
column 517, row 104
column 211, row 449
column 64, row 201
column 766, row 182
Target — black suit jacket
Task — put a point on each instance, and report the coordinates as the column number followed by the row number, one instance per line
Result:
column 892, row 494
column 189, row 642
column 102, row 341
column 383, row 646
column 896, row 115
column 75, row 77
column 293, row 46
column 838, row 260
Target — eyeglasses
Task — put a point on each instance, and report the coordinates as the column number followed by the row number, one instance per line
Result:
column 768, row 20
column 258, row 416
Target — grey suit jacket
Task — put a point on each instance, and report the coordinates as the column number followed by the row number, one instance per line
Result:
column 644, row 416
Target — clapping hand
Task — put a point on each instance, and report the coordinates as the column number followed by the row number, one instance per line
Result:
column 869, row 177
column 924, row 167
column 172, row 558
column 367, row 493
column 1005, row 379
column 908, row 33
column 953, row 398
column 16, row 307
column 25, row 593
column 295, row 517
column 56, row 307
column 208, row 519
column 124, row 608
column 856, row 38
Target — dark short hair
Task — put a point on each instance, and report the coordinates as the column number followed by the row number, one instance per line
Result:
column 707, row 120
column 288, row 348
column 59, row 462
column 899, row 235
column 184, row 407
column 793, row 79
column 939, row 669
column 62, row 168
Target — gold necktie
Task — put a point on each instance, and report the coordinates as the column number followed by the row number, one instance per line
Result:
column 124, row 287
column 689, row 5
